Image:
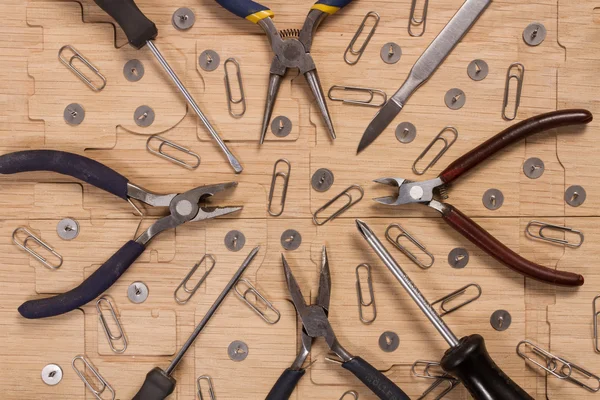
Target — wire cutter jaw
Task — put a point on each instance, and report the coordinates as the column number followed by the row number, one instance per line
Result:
column 409, row 191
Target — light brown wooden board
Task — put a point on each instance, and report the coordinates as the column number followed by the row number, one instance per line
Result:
column 35, row 87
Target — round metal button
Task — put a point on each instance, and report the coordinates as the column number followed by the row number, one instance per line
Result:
column 183, row 19
column 455, row 99
column 389, row 341
column 291, row 239
column 500, row 320
column 281, row 126
column 390, row 53
column 534, row 34
column 52, row 374
column 493, row 199
column 137, row 292
column 74, row 114
column 458, row 257
column 237, row 350
column 406, row 132
column 209, row 60
column 322, row 180
column 235, row 240
column 67, row 229
column 133, row 70
column 477, row 70
column 533, row 168
column 575, row 195
column 143, row 116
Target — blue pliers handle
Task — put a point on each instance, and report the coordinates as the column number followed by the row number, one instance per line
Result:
column 255, row 12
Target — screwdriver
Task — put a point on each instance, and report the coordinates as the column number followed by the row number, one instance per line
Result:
column 140, row 31
column 159, row 383
column 467, row 358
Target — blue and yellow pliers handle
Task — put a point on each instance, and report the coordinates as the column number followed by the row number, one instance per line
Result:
column 255, row 12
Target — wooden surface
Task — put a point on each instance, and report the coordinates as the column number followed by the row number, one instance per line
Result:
column 35, row 88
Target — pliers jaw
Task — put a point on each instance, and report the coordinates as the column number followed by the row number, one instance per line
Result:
column 408, row 191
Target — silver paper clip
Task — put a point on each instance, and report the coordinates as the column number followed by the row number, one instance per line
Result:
column 230, row 100
column 358, row 53
column 251, row 289
column 352, row 393
column 423, row 369
column 595, row 323
column 78, row 56
column 367, row 102
column 557, row 366
column 349, row 203
column 542, row 226
column 451, row 384
column 443, row 302
column 191, row 291
column 447, row 144
column 161, row 153
column 30, row 236
column 414, row 22
column 361, row 300
column 404, row 250
column 110, row 336
column 211, row 389
column 518, row 75
column 285, row 175
column 103, row 385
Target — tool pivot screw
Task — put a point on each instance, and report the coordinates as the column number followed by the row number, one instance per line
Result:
column 416, row 192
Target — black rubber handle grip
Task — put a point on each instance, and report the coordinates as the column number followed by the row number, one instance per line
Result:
column 471, row 363
column 375, row 380
column 157, row 386
column 285, row 385
column 137, row 27
column 74, row 165
column 89, row 289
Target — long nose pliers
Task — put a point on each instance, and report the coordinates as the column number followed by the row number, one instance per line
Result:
column 183, row 207
column 291, row 48
column 315, row 323
column 426, row 192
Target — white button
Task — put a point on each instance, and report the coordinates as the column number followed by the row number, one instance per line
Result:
column 416, row 192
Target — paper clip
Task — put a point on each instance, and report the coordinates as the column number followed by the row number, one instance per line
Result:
column 97, row 392
column 286, row 180
column 452, row 383
column 557, row 366
column 413, row 22
column 109, row 335
column 519, row 75
column 447, row 144
column 404, row 250
column 230, row 100
column 541, row 226
column 159, row 152
column 426, row 367
column 350, row 202
column 78, row 56
column 457, row 293
column 358, row 53
column 23, row 245
column 352, row 393
column 368, row 102
column 251, row 289
column 184, row 282
column 211, row 389
column 596, row 313
column 361, row 300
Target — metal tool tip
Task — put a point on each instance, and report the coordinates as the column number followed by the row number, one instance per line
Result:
column 363, row 228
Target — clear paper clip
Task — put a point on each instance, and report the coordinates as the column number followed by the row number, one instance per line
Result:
column 110, row 336
column 396, row 242
column 161, row 153
column 251, row 289
column 368, row 102
column 103, row 385
column 358, row 53
column 78, row 56
column 30, row 236
column 191, row 291
column 361, row 301
column 230, row 100
column 443, row 302
column 447, row 144
column 349, row 203
column 285, row 175
column 543, row 226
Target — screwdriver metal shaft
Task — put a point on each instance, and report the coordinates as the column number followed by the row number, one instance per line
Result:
column 235, row 164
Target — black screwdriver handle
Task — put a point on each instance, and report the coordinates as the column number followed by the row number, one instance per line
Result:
column 62, row 162
column 89, row 289
column 137, row 27
column 375, row 380
column 471, row 363
column 157, row 386
column 285, row 385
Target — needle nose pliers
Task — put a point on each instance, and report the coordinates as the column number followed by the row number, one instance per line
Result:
column 315, row 323
column 291, row 48
column 426, row 191
column 183, row 207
